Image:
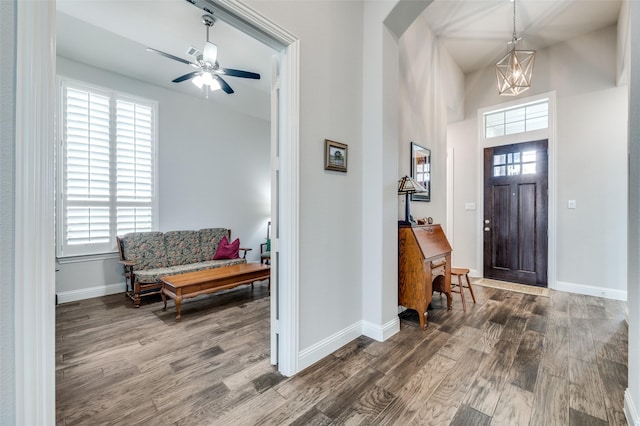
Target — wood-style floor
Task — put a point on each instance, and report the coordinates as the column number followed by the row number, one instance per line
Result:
column 511, row 359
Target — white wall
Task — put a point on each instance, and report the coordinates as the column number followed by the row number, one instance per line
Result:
column 330, row 36
column 379, row 173
column 213, row 171
column 632, row 394
column 591, row 164
column 7, row 215
column 592, row 169
column 431, row 94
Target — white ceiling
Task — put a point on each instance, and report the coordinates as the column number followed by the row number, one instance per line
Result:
column 114, row 34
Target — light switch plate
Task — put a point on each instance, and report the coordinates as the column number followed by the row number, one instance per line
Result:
column 469, row 206
column 571, row 204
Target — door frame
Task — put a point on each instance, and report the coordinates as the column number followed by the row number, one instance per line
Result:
column 35, row 94
column 550, row 135
column 285, row 192
column 540, row 180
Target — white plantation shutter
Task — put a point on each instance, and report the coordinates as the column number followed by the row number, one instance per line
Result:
column 134, row 170
column 106, row 177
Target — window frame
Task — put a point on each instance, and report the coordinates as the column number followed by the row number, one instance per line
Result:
column 514, row 109
column 70, row 253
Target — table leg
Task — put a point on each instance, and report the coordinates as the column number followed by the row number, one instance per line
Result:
column 164, row 298
column 178, row 300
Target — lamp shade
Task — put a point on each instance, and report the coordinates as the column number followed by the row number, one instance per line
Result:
column 408, row 185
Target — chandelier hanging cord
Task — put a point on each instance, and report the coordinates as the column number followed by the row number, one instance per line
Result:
column 515, row 37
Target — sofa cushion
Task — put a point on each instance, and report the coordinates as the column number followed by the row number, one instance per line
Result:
column 227, row 250
column 154, row 275
column 147, row 249
column 182, row 247
column 209, row 239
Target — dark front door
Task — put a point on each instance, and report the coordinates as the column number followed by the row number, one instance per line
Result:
column 515, row 213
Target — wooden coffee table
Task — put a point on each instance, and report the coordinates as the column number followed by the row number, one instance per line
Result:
column 192, row 284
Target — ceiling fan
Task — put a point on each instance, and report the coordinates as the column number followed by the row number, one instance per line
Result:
column 209, row 73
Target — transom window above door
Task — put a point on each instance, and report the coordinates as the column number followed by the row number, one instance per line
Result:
column 515, row 163
column 519, row 119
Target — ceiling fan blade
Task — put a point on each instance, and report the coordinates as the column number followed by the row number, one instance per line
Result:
column 170, row 56
column 239, row 73
column 224, row 85
column 186, row 76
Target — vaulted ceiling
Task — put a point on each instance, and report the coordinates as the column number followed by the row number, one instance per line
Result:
column 476, row 32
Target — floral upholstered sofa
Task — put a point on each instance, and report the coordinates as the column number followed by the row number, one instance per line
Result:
column 148, row 256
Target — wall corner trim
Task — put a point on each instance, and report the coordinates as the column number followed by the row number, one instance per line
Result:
column 381, row 332
column 630, row 411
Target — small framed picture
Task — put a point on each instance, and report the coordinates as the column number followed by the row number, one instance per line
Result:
column 335, row 157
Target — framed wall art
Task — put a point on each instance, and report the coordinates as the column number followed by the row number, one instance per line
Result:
column 335, row 157
column 421, row 171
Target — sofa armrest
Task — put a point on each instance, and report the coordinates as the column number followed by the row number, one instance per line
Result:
column 127, row 262
column 244, row 253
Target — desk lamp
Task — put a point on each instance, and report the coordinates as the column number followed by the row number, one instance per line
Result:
column 407, row 186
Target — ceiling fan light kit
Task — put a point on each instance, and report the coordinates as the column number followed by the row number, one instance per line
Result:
column 514, row 71
column 209, row 72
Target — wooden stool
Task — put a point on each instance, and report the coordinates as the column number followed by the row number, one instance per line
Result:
column 459, row 272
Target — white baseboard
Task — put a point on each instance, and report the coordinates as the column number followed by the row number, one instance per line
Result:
column 630, row 411
column 474, row 273
column 334, row 342
column 325, row 347
column 381, row 332
column 589, row 290
column 88, row 293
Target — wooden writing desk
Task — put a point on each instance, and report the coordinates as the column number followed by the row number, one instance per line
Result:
column 422, row 250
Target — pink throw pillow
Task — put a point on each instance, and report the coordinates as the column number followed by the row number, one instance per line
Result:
column 227, row 250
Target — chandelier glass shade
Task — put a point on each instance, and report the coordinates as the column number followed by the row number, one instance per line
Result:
column 514, row 71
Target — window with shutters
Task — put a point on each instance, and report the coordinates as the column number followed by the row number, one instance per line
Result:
column 105, row 162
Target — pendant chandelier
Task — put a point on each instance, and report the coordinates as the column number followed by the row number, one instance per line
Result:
column 514, row 70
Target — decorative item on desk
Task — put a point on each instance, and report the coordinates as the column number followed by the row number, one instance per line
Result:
column 406, row 186
column 425, row 221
